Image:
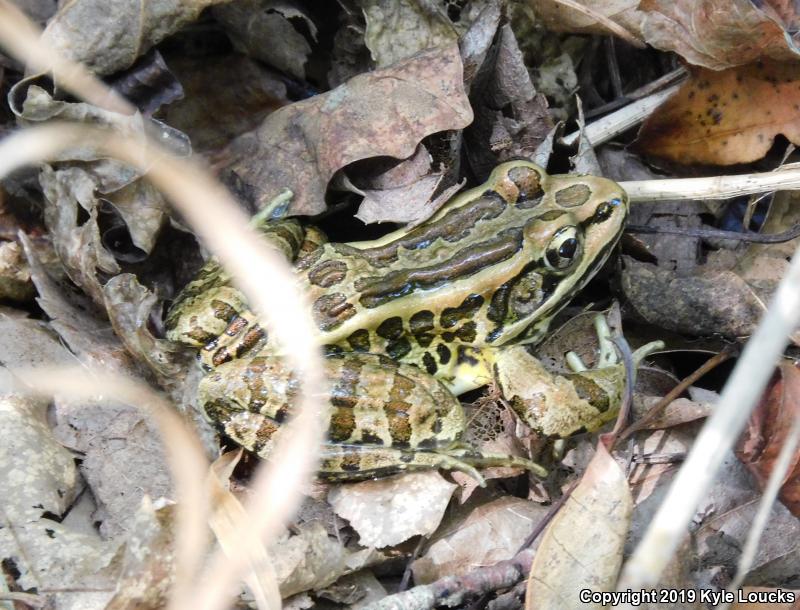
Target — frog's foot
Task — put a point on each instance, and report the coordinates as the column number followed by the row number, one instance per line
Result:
column 607, row 353
column 274, row 210
column 495, row 460
column 557, row 405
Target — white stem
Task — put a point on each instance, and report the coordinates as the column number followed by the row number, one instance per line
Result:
column 744, row 388
column 623, row 119
column 785, row 178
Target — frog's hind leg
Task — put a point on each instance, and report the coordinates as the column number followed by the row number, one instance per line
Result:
column 352, row 462
column 359, row 462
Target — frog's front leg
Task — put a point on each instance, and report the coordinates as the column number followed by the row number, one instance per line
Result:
column 559, row 405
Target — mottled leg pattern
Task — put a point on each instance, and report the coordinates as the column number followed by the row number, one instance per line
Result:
column 386, row 417
column 559, row 405
column 354, row 462
column 360, row 462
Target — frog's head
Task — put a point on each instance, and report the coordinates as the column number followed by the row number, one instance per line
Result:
column 571, row 225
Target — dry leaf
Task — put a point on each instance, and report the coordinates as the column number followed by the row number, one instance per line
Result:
column 717, row 34
column 767, row 431
column 26, row 343
column 81, row 567
column 511, row 117
column 148, row 84
column 582, row 547
column 725, row 519
column 38, row 474
column 383, row 113
column 705, row 302
column 129, row 305
column 73, row 317
column 311, row 559
column 148, row 564
column 398, row 30
column 726, row 117
column 561, row 18
column 679, row 411
column 124, row 456
column 15, row 277
column 404, row 192
column 490, row 533
column 212, row 116
column 307, row 558
column 388, row 511
column 228, row 513
column 108, row 35
column 255, row 26
column 657, row 456
column 408, row 171
column 405, row 204
column 355, row 590
column 95, row 186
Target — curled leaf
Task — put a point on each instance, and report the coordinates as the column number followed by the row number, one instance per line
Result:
column 382, row 113
column 726, row 117
column 108, row 35
column 768, row 429
column 582, row 547
column 719, row 34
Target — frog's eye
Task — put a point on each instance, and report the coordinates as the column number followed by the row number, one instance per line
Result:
column 563, row 249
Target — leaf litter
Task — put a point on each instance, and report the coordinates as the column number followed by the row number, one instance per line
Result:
column 388, row 108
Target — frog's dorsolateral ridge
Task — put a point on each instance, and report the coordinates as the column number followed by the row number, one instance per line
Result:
column 409, row 321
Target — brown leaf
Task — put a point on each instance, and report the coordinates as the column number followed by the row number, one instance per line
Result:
column 213, row 115
column 717, row 34
column 768, row 429
column 388, row 511
column 705, row 302
column 679, row 411
column 556, row 16
column 254, row 26
column 726, row 117
column 114, row 438
column 383, row 113
column 582, row 547
column 129, row 305
column 511, row 117
column 406, row 203
column 490, row 533
column 727, row 512
column 108, row 35
column 398, row 30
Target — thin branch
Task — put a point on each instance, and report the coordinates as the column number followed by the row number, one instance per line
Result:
column 743, row 389
column 785, row 178
column 744, row 236
column 620, row 121
column 662, row 404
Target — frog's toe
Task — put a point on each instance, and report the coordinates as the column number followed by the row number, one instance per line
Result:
column 354, row 462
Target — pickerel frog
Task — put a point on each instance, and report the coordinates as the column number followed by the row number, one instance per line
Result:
column 411, row 320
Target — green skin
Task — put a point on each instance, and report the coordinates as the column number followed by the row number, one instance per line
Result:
column 409, row 321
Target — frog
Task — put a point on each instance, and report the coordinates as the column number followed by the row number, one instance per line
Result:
column 408, row 322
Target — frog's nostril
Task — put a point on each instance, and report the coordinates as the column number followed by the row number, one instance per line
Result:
column 605, row 210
